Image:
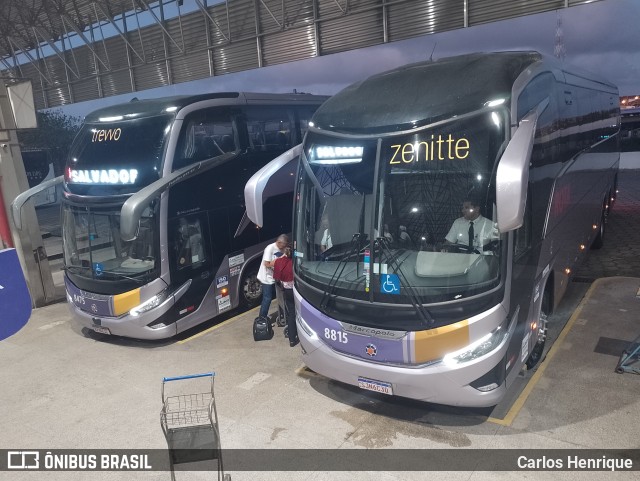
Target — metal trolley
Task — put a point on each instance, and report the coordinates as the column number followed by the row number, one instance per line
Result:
column 190, row 425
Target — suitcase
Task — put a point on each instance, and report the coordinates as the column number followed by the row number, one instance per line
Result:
column 262, row 329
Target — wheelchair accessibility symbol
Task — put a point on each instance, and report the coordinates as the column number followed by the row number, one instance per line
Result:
column 389, row 284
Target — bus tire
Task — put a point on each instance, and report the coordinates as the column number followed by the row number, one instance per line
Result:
column 250, row 288
column 537, row 351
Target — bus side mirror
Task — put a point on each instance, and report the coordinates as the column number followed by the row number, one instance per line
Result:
column 513, row 173
column 277, row 177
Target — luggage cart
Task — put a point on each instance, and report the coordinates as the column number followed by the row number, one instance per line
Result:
column 190, row 425
column 630, row 358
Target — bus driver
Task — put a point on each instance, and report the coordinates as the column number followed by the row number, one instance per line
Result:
column 472, row 230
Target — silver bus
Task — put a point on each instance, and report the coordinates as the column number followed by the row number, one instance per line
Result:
column 154, row 230
column 391, row 294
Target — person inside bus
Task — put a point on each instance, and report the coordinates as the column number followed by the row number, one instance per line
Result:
column 404, row 239
column 189, row 243
column 471, row 231
column 325, row 240
column 265, row 272
column 283, row 274
column 386, row 233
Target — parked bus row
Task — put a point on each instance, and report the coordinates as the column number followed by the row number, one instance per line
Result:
column 399, row 287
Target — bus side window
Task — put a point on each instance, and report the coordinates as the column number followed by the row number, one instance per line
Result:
column 534, row 93
column 269, row 128
column 206, row 134
column 189, row 243
column 256, row 136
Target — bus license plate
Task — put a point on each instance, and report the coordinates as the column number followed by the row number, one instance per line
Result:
column 376, row 386
column 101, row 330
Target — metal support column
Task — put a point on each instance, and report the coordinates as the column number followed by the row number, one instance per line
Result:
column 28, row 241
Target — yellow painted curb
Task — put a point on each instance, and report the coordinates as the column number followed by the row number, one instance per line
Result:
column 217, row 326
column 517, row 405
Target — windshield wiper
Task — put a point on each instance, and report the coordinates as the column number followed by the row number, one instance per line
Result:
column 81, row 270
column 333, row 282
column 427, row 319
column 75, row 268
column 140, row 279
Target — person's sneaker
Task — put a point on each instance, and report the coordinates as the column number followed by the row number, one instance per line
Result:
column 294, row 343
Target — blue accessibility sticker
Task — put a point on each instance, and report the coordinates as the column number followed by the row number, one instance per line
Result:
column 389, row 284
column 98, row 268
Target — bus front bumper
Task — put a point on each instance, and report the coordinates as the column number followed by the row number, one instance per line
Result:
column 127, row 325
column 435, row 383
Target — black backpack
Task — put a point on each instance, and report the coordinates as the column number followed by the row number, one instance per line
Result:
column 262, row 329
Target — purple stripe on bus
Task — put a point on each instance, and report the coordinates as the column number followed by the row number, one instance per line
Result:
column 369, row 348
column 86, row 302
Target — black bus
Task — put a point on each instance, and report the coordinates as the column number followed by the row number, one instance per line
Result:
column 155, row 235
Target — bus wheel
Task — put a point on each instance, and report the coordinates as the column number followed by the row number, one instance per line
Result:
column 250, row 289
column 538, row 349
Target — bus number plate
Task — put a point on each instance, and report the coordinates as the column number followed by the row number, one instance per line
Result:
column 376, row 386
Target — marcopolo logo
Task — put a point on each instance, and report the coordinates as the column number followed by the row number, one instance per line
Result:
column 372, row 331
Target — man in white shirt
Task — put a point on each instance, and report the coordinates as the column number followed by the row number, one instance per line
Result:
column 265, row 272
column 472, row 230
column 326, row 242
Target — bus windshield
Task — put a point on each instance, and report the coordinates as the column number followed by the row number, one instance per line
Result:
column 93, row 248
column 387, row 219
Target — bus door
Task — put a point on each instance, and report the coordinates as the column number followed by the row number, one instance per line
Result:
column 190, row 258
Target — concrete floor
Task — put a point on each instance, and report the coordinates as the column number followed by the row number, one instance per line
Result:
column 63, row 388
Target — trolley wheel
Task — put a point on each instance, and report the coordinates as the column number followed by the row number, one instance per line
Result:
column 538, row 349
column 250, row 289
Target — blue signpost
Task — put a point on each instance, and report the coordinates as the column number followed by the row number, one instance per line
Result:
column 15, row 301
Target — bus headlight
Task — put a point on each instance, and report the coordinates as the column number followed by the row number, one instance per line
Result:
column 477, row 349
column 149, row 304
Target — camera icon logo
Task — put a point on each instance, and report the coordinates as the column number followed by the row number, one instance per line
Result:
column 23, row 460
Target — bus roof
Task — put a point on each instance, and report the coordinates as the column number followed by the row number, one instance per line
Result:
column 151, row 107
column 426, row 92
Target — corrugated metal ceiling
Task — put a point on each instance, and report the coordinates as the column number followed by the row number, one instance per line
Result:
column 77, row 50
